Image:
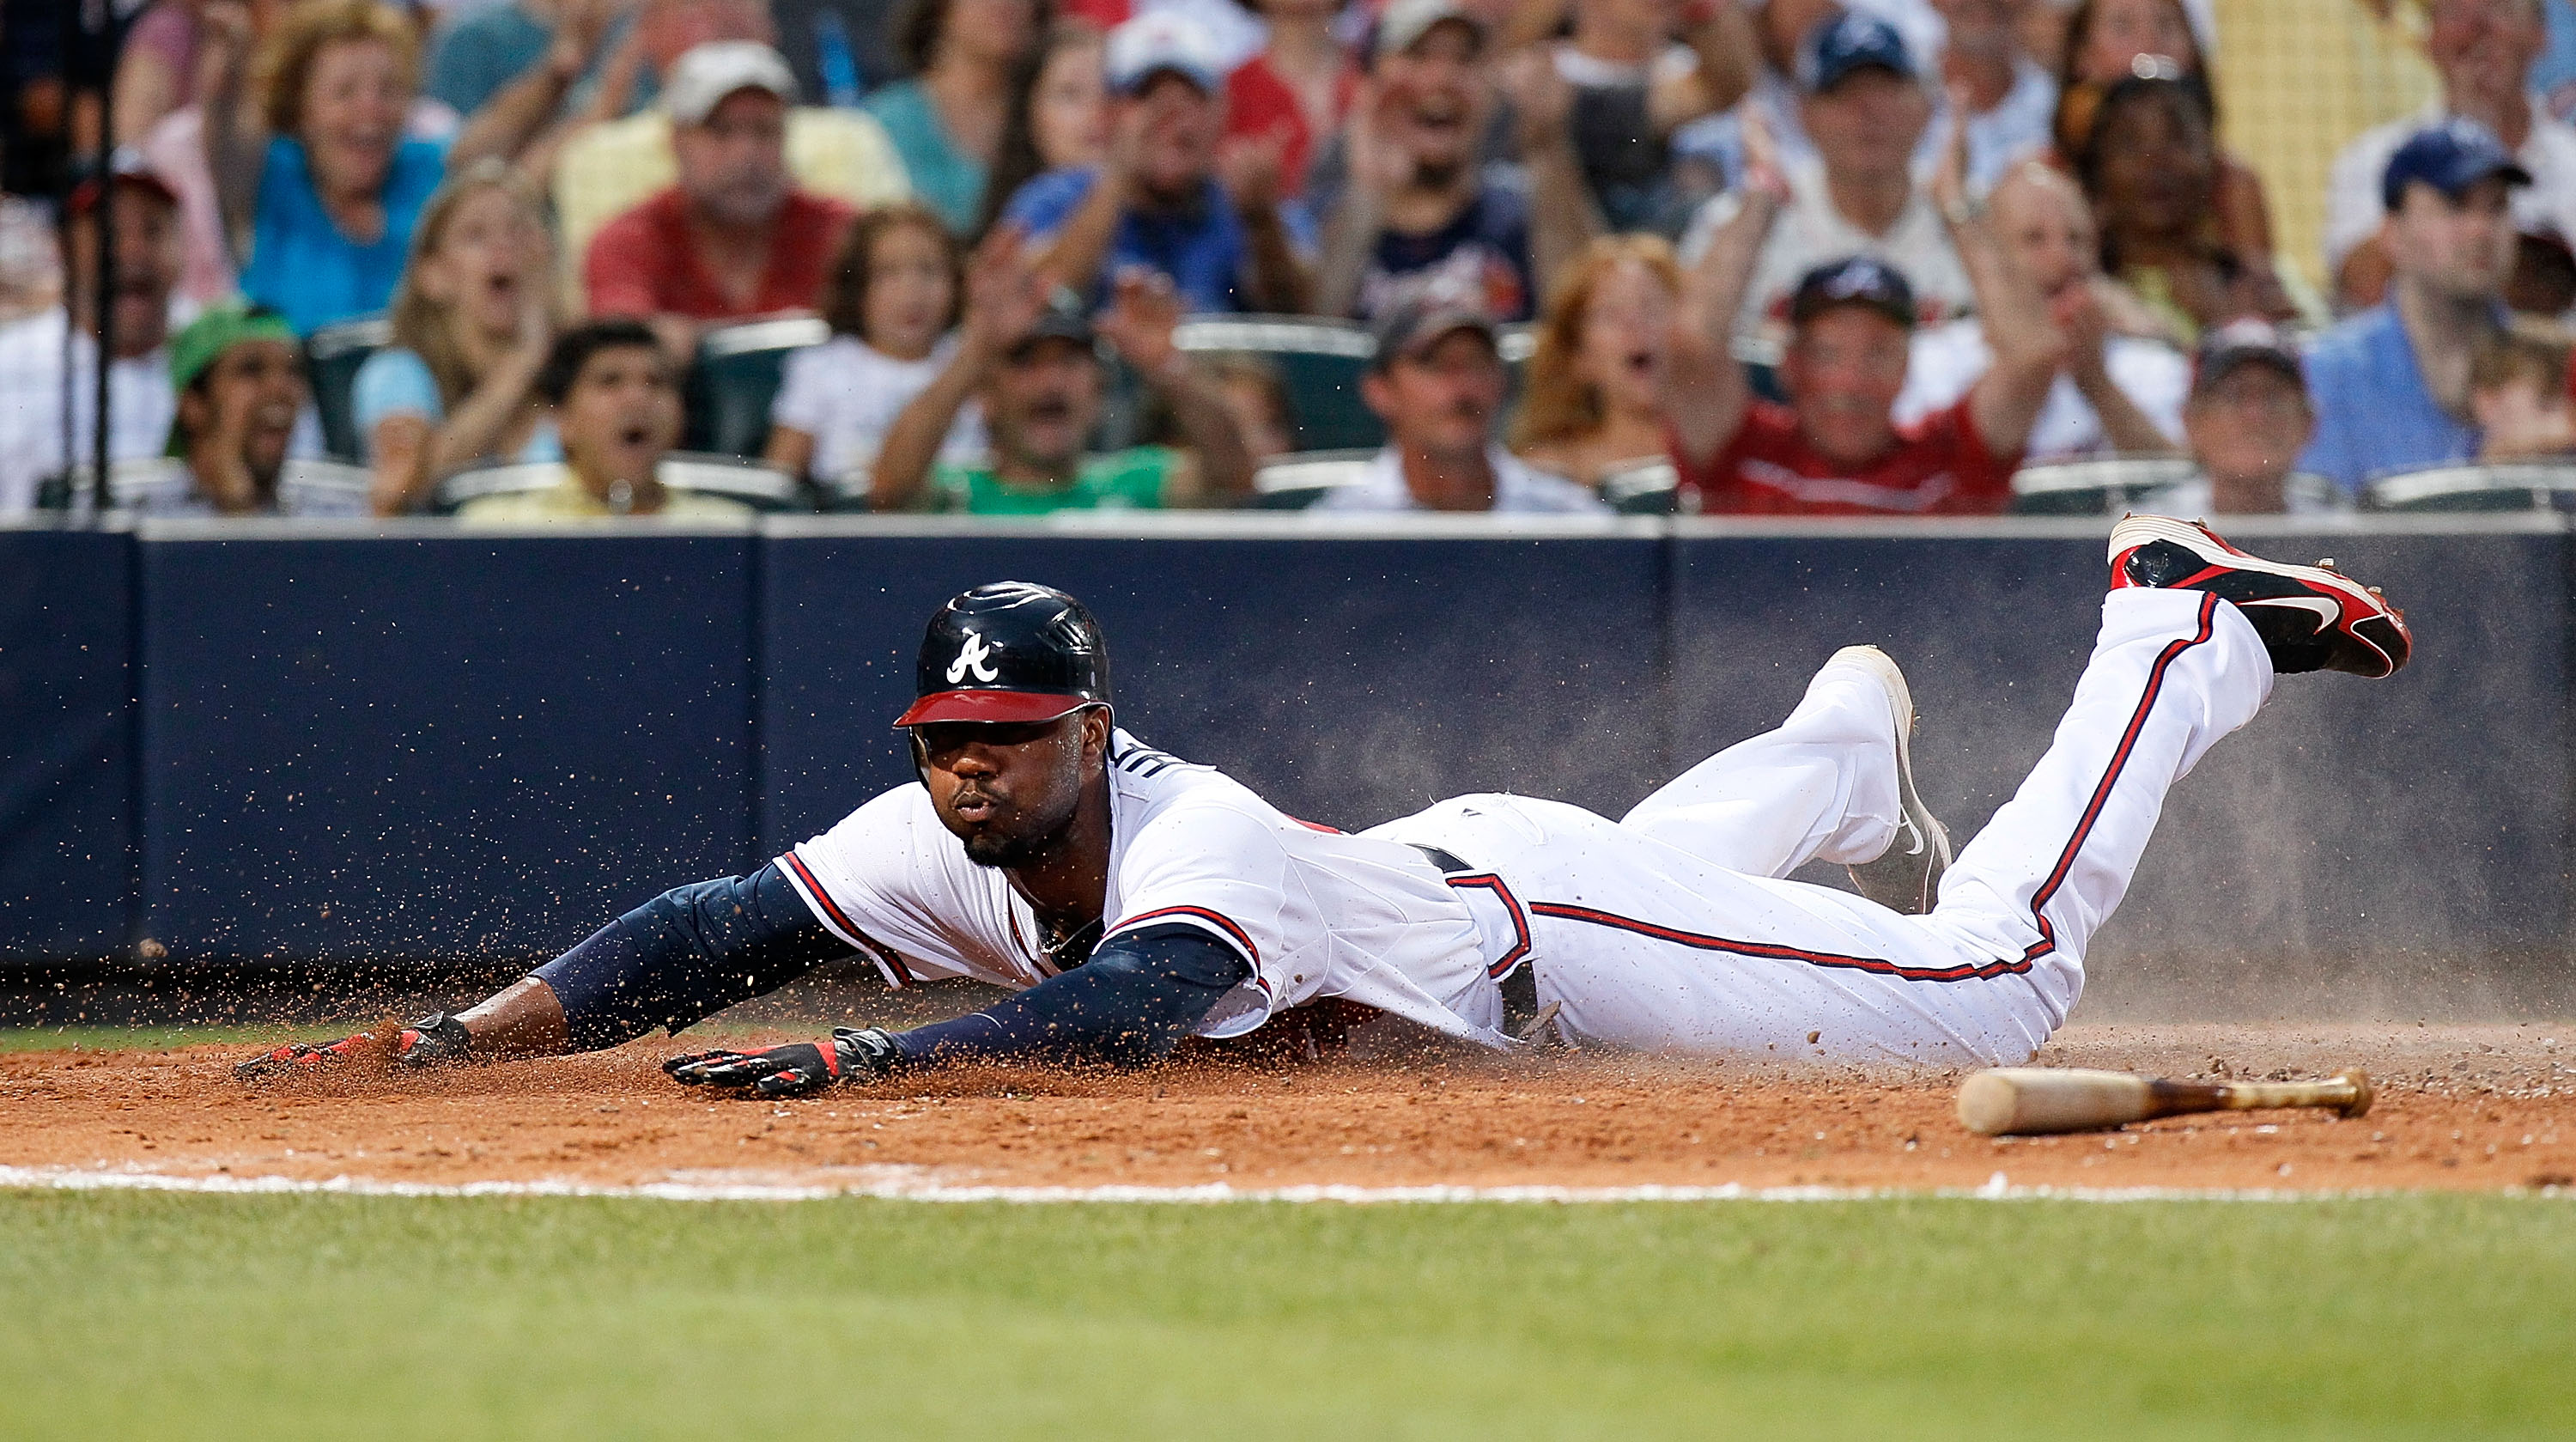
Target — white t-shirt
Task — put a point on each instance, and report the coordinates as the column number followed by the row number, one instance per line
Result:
column 1946, row 361
column 846, row 395
column 140, row 405
column 2354, row 208
column 1811, row 232
column 1519, row 489
column 1314, row 912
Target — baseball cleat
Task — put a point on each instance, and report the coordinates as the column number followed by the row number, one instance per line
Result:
column 2311, row 618
column 1907, row 876
column 435, row 1041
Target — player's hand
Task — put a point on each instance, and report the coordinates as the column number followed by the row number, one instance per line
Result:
column 792, row 1070
column 437, row 1040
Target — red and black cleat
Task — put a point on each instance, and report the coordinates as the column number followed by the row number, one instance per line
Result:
column 2311, row 618
column 437, row 1040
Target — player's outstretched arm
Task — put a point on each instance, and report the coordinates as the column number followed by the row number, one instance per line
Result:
column 1130, row 1004
column 687, row 954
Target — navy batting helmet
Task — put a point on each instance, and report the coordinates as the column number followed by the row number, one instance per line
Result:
column 1009, row 651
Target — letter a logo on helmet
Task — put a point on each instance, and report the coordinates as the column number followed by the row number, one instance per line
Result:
column 1009, row 652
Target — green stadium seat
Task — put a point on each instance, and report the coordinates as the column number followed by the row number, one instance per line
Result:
column 756, row 486
column 736, row 377
column 1320, row 361
column 332, row 356
column 2095, row 488
column 1645, row 490
column 2505, row 486
column 1294, row 482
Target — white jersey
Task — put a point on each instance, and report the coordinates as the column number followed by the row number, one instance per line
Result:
column 1315, row 912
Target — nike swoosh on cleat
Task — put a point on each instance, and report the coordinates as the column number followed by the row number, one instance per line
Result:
column 2327, row 611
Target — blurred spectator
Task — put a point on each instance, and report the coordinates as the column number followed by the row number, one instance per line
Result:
column 31, row 260
column 1258, row 397
column 616, row 400
column 1437, row 381
column 35, row 352
column 238, row 372
column 1036, row 367
column 586, row 73
column 946, row 122
column 1154, row 200
column 2484, row 51
column 1593, row 401
column 156, row 71
column 2518, row 392
column 1634, row 85
column 2392, row 384
column 2544, row 274
column 2106, row 41
column 1420, row 215
column 472, row 322
column 318, row 172
column 604, row 170
column 1835, row 449
column 2009, row 97
column 735, row 236
column 2120, row 394
column 1059, row 117
column 1865, row 110
column 1298, row 87
column 892, row 298
column 482, row 51
column 2151, row 167
column 2248, row 418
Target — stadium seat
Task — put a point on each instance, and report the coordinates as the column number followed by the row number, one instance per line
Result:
column 139, row 481
column 736, row 377
column 2507, row 486
column 332, row 356
column 1646, row 490
column 2094, row 488
column 734, row 479
column 1294, row 482
column 1320, row 361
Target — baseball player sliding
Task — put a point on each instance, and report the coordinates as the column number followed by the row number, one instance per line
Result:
column 1131, row 898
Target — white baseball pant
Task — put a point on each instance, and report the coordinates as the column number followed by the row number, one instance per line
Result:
column 1672, row 930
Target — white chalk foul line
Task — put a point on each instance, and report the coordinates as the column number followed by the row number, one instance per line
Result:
column 1996, row 1188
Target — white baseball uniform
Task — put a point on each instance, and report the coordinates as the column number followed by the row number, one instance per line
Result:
column 1671, row 930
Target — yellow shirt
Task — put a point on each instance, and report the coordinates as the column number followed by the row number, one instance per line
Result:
column 567, row 501
column 611, row 167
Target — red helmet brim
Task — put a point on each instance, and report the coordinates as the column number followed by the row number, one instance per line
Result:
column 1002, row 707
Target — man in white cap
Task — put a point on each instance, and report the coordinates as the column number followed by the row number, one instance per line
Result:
column 1155, row 201
column 735, row 236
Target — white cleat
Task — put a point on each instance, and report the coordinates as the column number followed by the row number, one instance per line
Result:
column 1907, row 876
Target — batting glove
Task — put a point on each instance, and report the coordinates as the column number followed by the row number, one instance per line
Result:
column 795, row 1069
column 436, row 1040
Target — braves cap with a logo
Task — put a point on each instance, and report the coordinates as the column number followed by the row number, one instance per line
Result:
column 2450, row 157
column 1849, row 42
column 1009, row 652
column 1862, row 280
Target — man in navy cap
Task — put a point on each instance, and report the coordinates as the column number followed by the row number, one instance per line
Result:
column 1155, row 201
column 2392, row 384
column 1865, row 110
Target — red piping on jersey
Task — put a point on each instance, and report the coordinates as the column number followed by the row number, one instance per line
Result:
column 2057, row 877
column 1223, row 923
column 849, row 929
column 1502, row 965
column 2119, row 759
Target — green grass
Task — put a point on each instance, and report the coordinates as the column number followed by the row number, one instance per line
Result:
column 142, row 1038
column 168, row 1316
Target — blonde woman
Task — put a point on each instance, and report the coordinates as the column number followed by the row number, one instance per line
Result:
column 1593, row 403
column 472, row 321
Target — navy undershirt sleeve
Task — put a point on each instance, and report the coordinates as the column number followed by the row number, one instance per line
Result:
column 687, row 954
column 1130, row 1004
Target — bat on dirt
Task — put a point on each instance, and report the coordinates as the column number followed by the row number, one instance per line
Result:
column 2026, row 1101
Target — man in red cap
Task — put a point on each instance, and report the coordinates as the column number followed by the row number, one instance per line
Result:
column 33, row 353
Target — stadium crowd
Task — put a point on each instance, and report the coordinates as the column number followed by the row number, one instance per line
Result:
column 526, row 260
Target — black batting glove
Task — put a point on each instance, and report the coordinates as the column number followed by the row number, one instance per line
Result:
column 435, row 1040
column 793, row 1070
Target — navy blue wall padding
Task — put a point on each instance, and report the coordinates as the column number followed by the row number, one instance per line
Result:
column 1349, row 680
column 461, row 746
column 66, row 753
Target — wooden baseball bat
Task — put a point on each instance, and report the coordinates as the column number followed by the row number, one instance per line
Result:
column 2026, row 1101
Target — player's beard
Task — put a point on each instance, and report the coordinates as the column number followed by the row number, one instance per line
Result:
column 1013, row 852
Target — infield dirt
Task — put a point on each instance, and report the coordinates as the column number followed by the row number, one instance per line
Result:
column 2462, row 1108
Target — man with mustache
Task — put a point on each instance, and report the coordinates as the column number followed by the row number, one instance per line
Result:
column 1437, row 381
column 735, row 236
column 1835, row 449
column 1029, row 352
column 1130, row 898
